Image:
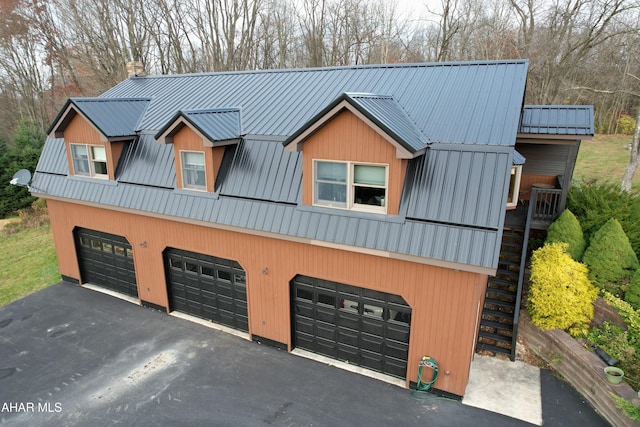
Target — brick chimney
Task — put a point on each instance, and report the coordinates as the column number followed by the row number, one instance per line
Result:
column 135, row 69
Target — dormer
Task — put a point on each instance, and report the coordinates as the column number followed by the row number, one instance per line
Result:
column 199, row 138
column 95, row 131
column 356, row 152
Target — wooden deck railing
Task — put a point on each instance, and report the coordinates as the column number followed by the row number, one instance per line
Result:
column 547, row 206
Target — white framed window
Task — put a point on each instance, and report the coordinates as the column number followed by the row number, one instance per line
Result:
column 514, row 186
column 89, row 160
column 350, row 185
column 194, row 174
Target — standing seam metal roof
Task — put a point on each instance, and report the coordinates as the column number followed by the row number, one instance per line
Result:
column 453, row 202
column 218, row 124
column 384, row 111
column 470, row 103
column 557, row 120
column 114, row 117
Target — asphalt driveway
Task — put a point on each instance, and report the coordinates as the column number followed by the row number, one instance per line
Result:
column 72, row 356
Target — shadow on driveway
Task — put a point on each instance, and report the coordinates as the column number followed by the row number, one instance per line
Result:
column 72, row 356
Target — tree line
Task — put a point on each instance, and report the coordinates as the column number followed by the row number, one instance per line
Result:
column 53, row 49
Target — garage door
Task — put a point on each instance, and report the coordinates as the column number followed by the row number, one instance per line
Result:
column 357, row 325
column 208, row 287
column 106, row 260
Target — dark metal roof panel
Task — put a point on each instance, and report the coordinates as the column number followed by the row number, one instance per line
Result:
column 53, row 158
column 469, row 102
column 464, row 245
column 146, row 162
column 518, row 159
column 386, row 111
column 217, row 124
column 113, row 116
column 456, row 186
column 557, row 120
column 263, row 170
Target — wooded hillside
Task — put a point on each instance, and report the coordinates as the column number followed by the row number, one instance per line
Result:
column 581, row 51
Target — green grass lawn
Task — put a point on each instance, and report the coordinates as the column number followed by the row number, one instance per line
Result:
column 604, row 158
column 28, row 260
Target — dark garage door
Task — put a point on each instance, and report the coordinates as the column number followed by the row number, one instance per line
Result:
column 106, row 260
column 207, row 287
column 357, row 325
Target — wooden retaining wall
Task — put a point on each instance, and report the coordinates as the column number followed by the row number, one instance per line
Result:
column 583, row 369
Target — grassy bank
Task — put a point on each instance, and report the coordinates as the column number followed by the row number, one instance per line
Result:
column 28, row 260
column 604, row 158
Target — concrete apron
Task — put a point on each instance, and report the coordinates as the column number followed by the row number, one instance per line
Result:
column 505, row 387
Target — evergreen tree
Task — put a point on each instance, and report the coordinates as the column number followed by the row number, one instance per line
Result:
column 567, row 229
column 610, row 257
column 22, row 153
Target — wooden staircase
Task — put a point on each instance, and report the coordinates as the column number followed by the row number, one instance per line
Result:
column 502, row 301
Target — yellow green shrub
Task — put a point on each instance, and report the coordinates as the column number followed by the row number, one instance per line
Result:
column 561, row 295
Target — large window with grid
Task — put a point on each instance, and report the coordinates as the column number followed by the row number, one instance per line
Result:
column 89, row 160
column 350, row 185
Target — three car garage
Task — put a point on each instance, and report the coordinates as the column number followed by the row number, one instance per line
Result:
column 360, row 326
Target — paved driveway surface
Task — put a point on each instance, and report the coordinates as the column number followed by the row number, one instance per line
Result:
column 72, row 356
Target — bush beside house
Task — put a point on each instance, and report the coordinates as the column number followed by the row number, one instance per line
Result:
column 610, row 262
column 567, row 229
column 561, row 295
column 595, row 203
column 610, row 257
column 632, row 295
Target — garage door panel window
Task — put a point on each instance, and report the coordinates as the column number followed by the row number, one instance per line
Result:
column 400, row 317
column 207, row 271
column 325, row 299
column 373, row 311
column 224, row 275
column 240, row 279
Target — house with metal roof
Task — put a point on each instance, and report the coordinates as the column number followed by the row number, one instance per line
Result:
column 351, row 214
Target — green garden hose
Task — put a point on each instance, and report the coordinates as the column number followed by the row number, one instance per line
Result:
column 425, row 386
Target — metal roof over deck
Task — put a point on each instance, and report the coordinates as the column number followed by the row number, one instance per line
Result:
column 557, row 120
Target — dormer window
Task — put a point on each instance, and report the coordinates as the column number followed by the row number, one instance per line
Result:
column 89, row 160
column 350, row 185
column 194, row 175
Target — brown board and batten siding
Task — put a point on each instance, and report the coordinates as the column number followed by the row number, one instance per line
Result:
column 347, row 138
column 80, row 131
column 445, row 303
column 186, row 139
